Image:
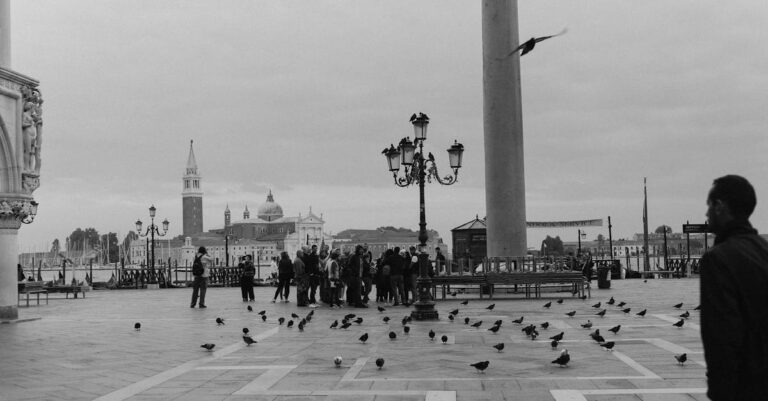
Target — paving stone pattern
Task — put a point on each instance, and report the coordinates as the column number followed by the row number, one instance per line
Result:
column 85, row 349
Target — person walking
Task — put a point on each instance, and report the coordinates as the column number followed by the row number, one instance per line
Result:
column 284, row 276
column 302, row 279
column 247, row 272
column 734, row 278
column 201, row 267
column 312, row 261
column 395, row 263
column 334, row 277
column 355, row 267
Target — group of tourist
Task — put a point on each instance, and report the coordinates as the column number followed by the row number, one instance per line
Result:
column 330, row 276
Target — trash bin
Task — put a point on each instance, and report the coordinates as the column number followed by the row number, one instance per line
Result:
column 603, row 277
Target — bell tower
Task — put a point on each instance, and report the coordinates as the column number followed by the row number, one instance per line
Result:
column 192, row 197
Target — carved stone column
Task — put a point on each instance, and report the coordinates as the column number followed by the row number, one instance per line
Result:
column 21, row 128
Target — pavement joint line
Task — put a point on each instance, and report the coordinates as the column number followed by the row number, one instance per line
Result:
column 245, row 367
column 675, row 319
column 470, row 379
column 146, row 384
column 355, row 369
column 14, row 321
column 578, row 395
column 429, row 394
column 265, row 380
column 636, row 366
column 440, row 396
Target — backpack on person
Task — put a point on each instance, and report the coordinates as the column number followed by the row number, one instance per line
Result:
column 197, row 267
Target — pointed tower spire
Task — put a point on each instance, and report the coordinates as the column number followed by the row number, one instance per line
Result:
column 227, row 217
column 191, row 162
column 246, row 213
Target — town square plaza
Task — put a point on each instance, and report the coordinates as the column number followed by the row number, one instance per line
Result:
column 87, row 348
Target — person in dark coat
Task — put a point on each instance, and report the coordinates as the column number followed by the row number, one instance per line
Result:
column 284, row 276
column 734, row 295
column 246, row 278
column 357, row 267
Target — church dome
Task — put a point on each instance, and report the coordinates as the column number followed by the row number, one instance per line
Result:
column 270, row 210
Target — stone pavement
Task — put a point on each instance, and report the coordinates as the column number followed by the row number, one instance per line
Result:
column 84, row 349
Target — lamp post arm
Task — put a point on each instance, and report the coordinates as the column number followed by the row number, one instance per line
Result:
column 433, row 173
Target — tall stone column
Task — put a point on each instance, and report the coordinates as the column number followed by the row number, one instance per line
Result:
column 503, row 127
column 9, row 255
column 5, row 33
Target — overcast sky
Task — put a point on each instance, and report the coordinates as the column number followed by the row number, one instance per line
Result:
column 302, row 96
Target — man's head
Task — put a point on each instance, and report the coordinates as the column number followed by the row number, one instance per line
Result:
column 314, row 248
column 359, row 249
column 202, row 250
column 731, row 198
column 299, row 253
column 437, row 249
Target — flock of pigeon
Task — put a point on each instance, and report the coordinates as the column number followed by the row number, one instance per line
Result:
column 530, row 330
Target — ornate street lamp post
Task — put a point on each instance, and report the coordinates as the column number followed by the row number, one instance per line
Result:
column 419, row 170
column 151, row 231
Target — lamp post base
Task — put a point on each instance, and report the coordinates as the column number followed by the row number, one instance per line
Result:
column 425, row 306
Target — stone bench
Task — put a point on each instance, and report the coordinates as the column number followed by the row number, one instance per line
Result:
column 67, row 289
column 31, row 289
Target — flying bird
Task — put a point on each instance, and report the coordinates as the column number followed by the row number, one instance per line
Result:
column 681, row 358
column 571, row 313
column 587, row 325
column 137, row 326
column 608, row 345
column 499, row 347
column 519, row 321
column 380, row 362
column 558, row 337
column 679, row 323
column 392, row 335
column 444, row 339
column 554, row 344
column 545, row 325
column 548, row 304
column 601, row 313
column 678, row 306
column 248, row 340
column 563, row 359
column 494, row 329
column 615, row 329
column 685, row 315
column 281, row 320
column 290, row 324
column 219, row 321
column 477, row 324
column 250, row 309
column 480, row 366
column 465, row 302
column 364, row 338
column 490, row 307
column 431, row 335
column 597, row 305
column 208, row 346
column 642, row 313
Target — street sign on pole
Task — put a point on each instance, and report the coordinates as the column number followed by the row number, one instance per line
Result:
column 695, row 228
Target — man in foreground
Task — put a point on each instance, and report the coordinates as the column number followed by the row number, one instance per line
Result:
column 734, row 295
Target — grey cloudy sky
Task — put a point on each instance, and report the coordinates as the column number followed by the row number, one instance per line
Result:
column 301, row 96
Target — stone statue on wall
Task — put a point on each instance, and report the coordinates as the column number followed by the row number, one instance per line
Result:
column 32, row 129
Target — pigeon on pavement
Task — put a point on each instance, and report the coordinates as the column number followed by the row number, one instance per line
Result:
column 364, row 338
column 480, row 366
column 249, row 340
column 499, row 347
column 208, row 346
column 563, row 359
column 380, row 362
column 219, row 321
column 681, row 358
column 137, row 326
